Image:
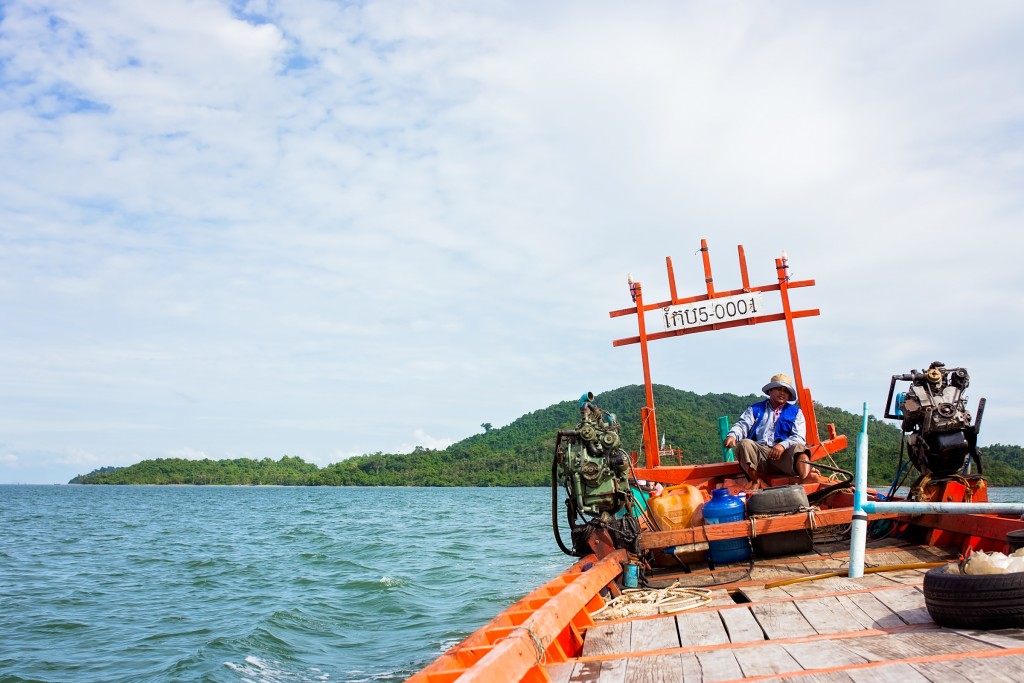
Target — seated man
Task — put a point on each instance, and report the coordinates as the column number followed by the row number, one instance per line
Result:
column 772, row 435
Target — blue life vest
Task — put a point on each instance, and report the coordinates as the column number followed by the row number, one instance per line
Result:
column 785, row 426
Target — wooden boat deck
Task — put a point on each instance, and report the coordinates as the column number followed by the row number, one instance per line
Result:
column 835, row 629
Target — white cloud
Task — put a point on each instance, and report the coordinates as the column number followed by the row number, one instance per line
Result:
column 423, row 440
column 316, row 229
column 77, row 457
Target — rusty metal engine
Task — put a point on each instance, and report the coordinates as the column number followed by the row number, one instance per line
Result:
column 937, row 428
column 593, row 469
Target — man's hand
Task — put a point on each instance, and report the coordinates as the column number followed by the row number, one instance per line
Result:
column 730, row 442
column 777, row 451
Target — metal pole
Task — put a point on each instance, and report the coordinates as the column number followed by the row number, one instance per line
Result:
column 911, row 508
column 859, row 528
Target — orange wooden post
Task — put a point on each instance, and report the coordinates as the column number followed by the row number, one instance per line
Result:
column 744, row 278
column 649, row 422
column 782, row 268
column 706, row 257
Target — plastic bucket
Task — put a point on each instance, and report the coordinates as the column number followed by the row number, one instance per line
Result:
column 1015, row 539
column 722, row 508
column 676, row 507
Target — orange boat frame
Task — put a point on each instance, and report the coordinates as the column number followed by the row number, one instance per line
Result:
column 648, row 416
column 547, row 626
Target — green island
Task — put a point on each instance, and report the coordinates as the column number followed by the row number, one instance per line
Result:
column 520, row 453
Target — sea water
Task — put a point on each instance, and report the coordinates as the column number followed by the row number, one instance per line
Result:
column 147, row 583
column 267, row 584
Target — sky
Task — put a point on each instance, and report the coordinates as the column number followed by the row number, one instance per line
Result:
column 321, row 229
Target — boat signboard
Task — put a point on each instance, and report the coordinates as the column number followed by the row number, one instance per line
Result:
column 711, row 311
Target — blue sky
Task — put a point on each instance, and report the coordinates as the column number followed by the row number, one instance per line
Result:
column 250, row 229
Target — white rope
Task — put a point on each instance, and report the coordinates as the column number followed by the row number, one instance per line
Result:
column 639, row 602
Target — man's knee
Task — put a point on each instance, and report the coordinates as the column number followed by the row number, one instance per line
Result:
column 746, row 453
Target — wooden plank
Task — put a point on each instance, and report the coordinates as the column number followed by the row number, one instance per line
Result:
column 607, row 639
column 766, row 661
column 780, row 572
column 823, row 654
column 834, row 584
column 891, row 673
column 910, row 577
column 907, row 603
column 654, row 669
column 988, row 669
column 828, row 677
column 560, row 672
column 1002, row 638
column 890, row 557
column 760, row 594
column 586, row 672
column 820, row 565
column 654, row 634
column 781, row 620
column 875, row 613
column 828, row 615
column 701, row 628
column 720, row 597
column 741, row 626
column 609, row 671
column 691, row 668
column 941, row 671
column 916, row 644
column 718, row 665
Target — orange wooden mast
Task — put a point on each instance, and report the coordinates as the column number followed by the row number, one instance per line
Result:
column 692, row 317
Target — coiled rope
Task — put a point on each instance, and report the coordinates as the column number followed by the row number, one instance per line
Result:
column 641, row 602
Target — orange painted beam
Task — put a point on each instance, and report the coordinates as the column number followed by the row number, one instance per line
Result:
column 982, row 526
column 767, row 525
column 525, row 648
column 704, row 297
column 448, row 666
column 625, row 341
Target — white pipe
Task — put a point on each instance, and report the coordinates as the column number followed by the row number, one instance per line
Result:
column 862, row 507
column 859, row 526
column 924, row 508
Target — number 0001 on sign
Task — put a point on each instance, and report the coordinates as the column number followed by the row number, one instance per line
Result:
column 720, row 310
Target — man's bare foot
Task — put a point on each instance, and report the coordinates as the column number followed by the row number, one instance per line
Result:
column 811, row 478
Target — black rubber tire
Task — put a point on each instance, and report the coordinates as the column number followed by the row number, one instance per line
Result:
column 777, row 499
column 780, row 500
column 982, row 601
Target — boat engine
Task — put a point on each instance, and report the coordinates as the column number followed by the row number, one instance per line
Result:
column 593, row 468
column 936, row 424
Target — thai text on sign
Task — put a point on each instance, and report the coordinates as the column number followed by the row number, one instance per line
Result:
column 711, row 311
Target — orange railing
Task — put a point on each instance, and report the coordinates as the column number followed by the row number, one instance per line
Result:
column 545, row 627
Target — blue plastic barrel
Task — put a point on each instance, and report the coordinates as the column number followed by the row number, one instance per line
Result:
column 722, row 508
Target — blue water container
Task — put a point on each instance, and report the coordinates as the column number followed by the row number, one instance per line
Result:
column 722, row 508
